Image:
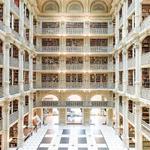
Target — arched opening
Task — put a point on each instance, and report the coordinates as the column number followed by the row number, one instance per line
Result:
column 98, row 7
column 50, row 115
column 74, row 115
column 97, row 114
column 74, row 7
column 51, row 7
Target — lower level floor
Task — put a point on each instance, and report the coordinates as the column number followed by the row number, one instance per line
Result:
column 96, row 136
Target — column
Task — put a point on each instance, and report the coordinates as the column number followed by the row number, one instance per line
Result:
column 117, row 70
column 124, row 14
column 30, row 109
column 31, row 28
column 125, row 71
column 5, row 114
column 138, row 15
column 62, row 63
column 63, row 27
column 6, row 67
column 7, row 13
column 138, row 126
column 31, row 71
column 117, row 120
column 21, row 23
column 125, row 122
column 138, row 70
column 21, row 62
column 86, row 116
column 110, row 117
column 86, row 45
column 86, row 28
column 62, row 116
column 117, row 26
column 21, row 121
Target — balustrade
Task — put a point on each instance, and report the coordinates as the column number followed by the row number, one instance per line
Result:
column 13, row 117
column 13, row 89
column 14, row 62
column 74, row 30
column 145, row 59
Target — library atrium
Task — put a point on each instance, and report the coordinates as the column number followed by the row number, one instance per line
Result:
column 74, row 74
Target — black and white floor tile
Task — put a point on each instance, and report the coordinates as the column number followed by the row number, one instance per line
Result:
column 73, row 139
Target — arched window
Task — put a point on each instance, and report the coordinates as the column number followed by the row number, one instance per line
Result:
column 74, row 7
column 51, row 7
column 98, row 7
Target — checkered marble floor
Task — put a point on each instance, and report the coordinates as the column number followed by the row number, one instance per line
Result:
column 74, row 137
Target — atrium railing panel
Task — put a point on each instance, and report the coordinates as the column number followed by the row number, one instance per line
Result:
column 13, row 117
column 13, row 89
column 95, row 49
column 145, row 58
column 14, row 62
column 74, row 31
column 74, row 66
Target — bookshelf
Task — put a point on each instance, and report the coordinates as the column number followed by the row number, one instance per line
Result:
column 145, row 11
column 146, row 77
column 1, row 77
column 15, row 106
column 74, row 77
column 50, row 78
column 50, row 60
column 1, row 46
column 98, row 25
column 15, row 77
column 146, row 45
column 99, row 42
column 74, row 25
column 145, row 114
column 130, row 77
column 1, row 12
column 26, row 100
column 50, row 24
column 74, row 60
column 50, row 42
column 26, row 77
column 129, row 25
column 99, row 60
column 99, row 78
column 13, row 134
column 74, row 42
column 120, row 77
column 16, row 25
